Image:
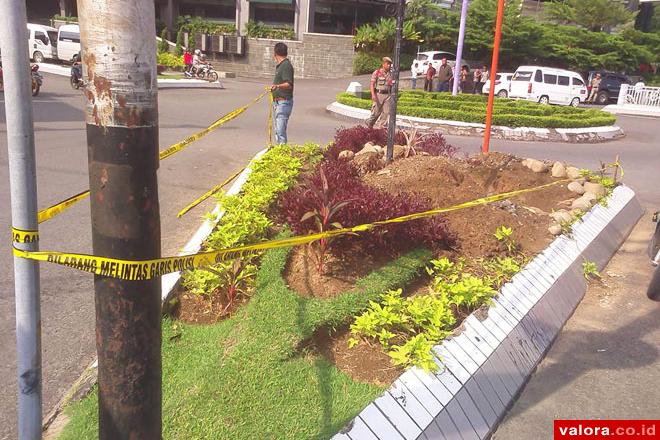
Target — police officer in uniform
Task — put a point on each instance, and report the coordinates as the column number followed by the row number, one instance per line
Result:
column 381, row 85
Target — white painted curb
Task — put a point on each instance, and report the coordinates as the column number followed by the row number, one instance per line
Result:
column 162, row 83
column 487, row 362
column 572, row 135
column 633, row 110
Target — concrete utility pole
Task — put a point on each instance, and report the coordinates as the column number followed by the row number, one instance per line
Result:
column 394, row 93
column 459, row 47
column 119, row 62
column 23, row 188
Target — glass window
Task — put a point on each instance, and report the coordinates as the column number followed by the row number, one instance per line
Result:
column 563, row 80
column 577, row 82
column 53, row 37
column 71, row 37
column 422, row 57
column 38, row 35
column 538, row 76
column 508, row 77
column 521, row 76
column 273, row 14
column 549, row 79
column 223, row 11
column 437, row 56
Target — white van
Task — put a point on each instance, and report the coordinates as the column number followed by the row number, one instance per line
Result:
column 42, row 42
column 68, row 41
column 548, row 85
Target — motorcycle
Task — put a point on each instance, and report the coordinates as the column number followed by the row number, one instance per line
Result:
column 37, row 79
column 205, row 71
column 653, row 291
column 76, row 77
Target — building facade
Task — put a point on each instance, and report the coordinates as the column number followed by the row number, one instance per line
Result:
column 339, row 17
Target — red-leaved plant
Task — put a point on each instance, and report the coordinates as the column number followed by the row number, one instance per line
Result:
column 365, row 204
column 323, row 213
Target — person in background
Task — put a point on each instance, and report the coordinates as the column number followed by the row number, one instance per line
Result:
column 196, row 61
column 478, row 85
column 466, row 84
column 428, row 81
column 381, row 85
column 485, row 76
column 413, row 76
column 445, row 75
column 187, row 59
column 282, row 91
column 595, row 85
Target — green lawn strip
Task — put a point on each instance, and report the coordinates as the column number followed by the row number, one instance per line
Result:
column 505, row 112
column 246, row 378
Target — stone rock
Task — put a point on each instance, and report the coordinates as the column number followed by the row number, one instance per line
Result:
column 581, row 203
column 554, row 229
column 573, row 172
column 589, row 196
column 525, row 163
column 368, row 144
column 400, row 151
column 558, row 170
column 537, row 166
column 576, row 187
column 367, row 162
column 368, row 148
column 561, row 216
column 595, row 188
column 346, row 155
column 379, row 149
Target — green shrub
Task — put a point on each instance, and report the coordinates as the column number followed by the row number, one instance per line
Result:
column 245, row 220
column 198, row 25
column 257, row 29
column 163, row 46
column 472, row 108
column 178, row 50
column 367, row 62
column 170, row 60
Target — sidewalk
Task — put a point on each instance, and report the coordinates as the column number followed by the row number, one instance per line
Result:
column 605, row 364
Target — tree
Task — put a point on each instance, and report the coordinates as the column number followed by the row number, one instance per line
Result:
column 593, row 15
column 163, row 46
column 178, row 50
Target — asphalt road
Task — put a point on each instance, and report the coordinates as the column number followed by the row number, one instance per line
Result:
column 67, row 299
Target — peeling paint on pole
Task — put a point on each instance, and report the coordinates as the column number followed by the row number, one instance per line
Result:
column 119, row 67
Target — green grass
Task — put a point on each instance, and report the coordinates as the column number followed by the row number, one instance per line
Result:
column 245, row 378
column 472, row 108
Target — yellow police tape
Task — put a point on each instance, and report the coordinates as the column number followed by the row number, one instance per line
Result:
column 209, row 193
column 52, row 211
column 137, row 270
column 23, row 236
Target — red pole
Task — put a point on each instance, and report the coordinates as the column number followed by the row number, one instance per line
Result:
column 493, row 73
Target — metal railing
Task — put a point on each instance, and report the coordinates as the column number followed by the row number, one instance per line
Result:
column 639, row 96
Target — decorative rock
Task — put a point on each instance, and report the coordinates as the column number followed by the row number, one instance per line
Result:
column 525, row 163
column 346, row 155
column 576, row 187
column 368, row 144
column 573, row 173
column 400, row 151
column 581, row 203
column 367, row 162
column 379, row 149
column 554, row 229
column 561, row 216
column 591, row 197
column 595, row 188
column 537, row 166
column 368, row 148
column 559, row 170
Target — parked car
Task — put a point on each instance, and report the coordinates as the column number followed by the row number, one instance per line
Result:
column 421, row 63
column 42, row 42
column 547, row 85
column 502, row 81
column 610, row 85
column 68, row 41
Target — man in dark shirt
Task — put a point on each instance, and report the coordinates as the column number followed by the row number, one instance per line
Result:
column 445, row 75
column 282, row 90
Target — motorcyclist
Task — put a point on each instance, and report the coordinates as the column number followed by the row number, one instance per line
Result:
column 197, row 61
column 76, row 67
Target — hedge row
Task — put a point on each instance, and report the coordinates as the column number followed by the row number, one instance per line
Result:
column 501, row 116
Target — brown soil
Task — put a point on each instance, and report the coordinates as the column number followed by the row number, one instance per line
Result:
column 198, row 309
column 447, row 182
column 339, row 275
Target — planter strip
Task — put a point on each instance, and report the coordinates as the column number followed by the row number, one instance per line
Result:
column 487, row 362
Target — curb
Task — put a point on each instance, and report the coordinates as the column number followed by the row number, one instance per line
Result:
column 487, row 361
column 570, row 135
column 169, row 283
column 162, row 83
column 633, row 110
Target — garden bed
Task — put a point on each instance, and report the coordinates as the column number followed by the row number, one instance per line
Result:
column 472, row 108
column 271, row 336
